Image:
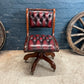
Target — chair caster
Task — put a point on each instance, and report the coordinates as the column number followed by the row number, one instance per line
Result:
column 53, row 70
column 32, row 73
column 52, row 57
column 54, row 67
column 26, row 61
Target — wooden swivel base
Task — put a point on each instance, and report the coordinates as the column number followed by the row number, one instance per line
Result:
column 41, row 55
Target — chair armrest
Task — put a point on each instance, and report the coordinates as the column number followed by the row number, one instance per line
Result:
column 26, row 43
column 57, row 46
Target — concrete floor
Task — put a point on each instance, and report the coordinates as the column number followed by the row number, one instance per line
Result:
column 13, row 69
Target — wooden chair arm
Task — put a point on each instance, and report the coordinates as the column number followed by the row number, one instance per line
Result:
column 26, row 43
column 57, row 46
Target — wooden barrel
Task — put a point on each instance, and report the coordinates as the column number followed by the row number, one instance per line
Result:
column 2, row 35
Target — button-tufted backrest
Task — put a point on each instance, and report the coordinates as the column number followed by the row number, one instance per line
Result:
column 40, row 18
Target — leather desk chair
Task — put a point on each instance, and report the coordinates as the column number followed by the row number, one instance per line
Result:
column 41, row 45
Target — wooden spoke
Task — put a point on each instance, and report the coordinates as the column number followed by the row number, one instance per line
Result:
column 79, row 34
column 74, row 26
column 82, row 47
column 81, row 21
column 79, row 40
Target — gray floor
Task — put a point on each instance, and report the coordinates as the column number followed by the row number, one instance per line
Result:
column 13, row 69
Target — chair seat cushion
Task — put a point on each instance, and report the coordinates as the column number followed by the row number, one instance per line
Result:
column 41, row 43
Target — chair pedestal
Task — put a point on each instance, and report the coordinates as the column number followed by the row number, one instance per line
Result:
column 41, row 55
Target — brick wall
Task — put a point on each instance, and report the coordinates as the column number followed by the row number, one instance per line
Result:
column 12, row 14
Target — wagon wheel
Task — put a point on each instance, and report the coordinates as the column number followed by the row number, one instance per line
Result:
column 2, row 35
column 75, row 33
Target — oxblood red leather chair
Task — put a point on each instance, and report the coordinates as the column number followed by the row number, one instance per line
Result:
column 41, row 45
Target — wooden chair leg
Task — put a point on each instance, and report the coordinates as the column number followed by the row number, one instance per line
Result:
column 30, row 55
column 40, row 55
column 50, row 53
column 50, row 62
column 34, row 65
